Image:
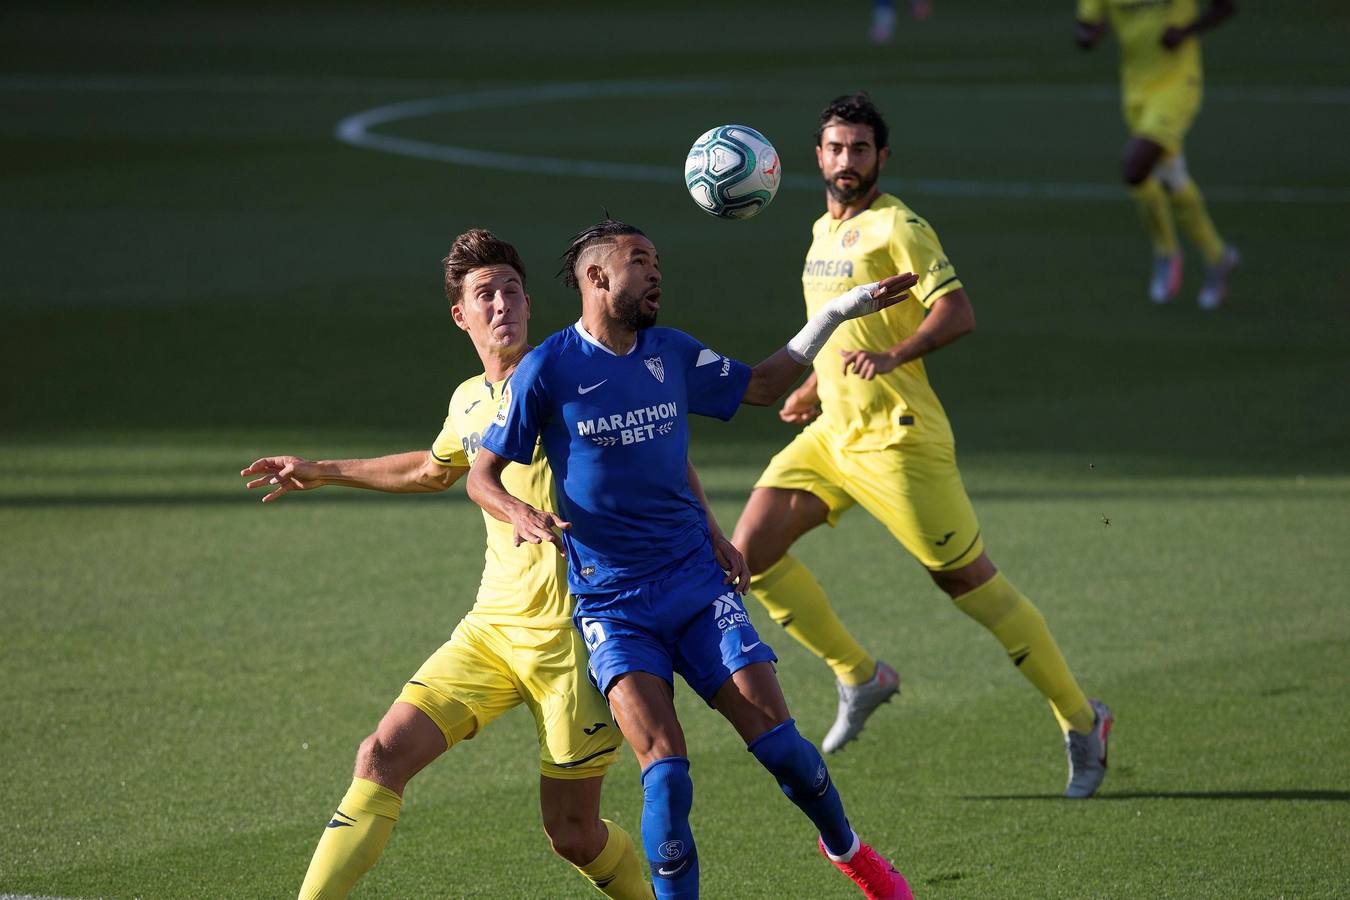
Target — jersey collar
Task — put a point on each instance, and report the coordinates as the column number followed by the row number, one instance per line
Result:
column 586, row 336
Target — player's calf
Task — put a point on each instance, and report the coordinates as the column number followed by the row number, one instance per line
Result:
column 799, row 770
column 667, row 797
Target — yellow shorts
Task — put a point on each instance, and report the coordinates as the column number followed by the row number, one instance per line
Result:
column 485, row 670
column 1164, row 114
column 915, row 491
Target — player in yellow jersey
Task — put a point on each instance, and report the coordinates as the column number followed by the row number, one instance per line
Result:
column 1162, row 85
column 879, row 438
column 516, row 645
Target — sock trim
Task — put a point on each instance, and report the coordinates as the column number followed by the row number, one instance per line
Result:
column 844, row 857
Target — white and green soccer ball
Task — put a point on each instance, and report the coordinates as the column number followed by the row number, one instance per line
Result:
column 732, row 171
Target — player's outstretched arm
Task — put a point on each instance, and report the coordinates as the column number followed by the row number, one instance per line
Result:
column 772, row 377
column 728, row 557
column 534, row 526
column 398, row 473
column 950, row 317
column 1215, row 13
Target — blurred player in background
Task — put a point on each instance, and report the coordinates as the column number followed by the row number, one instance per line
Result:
column 1162, row 84
column 610, row 399
column 515, row 646
column 880, row 438
column 883, row 17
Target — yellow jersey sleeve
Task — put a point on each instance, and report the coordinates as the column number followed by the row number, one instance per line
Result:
column 1091, row 11
column 915, row 248
column 448, row 449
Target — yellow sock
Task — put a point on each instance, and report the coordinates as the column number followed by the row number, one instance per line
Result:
column 617, row 872
column 353, row 840
column 796, row 601
column 1189, row 206
column 1021, row 629
column 1156, row 215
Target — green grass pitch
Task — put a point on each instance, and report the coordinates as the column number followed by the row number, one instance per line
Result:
column 195, row 272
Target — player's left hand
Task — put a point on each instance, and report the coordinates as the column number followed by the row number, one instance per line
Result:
column 870, row 298
column 867, row 364
column 731, row 561
column 1174, row 37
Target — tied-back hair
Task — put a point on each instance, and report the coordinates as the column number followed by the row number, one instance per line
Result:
column 606, row 231
column 856, row 109
column 477, row 248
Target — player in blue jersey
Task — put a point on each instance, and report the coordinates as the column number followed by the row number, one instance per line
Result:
column 609, row 399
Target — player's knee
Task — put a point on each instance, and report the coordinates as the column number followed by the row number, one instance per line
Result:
column 958, row 582
column 572, row 836
column 760, row 558
column 387, row 762
column 1135, row 171
column 372, row 757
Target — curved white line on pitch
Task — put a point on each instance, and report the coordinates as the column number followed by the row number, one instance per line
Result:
column 356, row 131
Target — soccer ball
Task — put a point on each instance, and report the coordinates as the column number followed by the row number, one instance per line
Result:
column 732, row 172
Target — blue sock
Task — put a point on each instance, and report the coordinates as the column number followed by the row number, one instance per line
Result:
column 667, row 796
column 802, row 775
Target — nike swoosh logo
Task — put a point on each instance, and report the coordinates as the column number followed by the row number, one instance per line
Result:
column 671, row 873
column 745, row 649
column 587, row 390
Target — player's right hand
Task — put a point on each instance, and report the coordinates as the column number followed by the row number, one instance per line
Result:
column 535, row 526
column 285, row 473
column 800, row 407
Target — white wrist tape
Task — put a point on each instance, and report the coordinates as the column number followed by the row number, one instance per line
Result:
column 849, row 305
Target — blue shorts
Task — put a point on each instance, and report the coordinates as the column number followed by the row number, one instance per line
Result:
column 690, row 622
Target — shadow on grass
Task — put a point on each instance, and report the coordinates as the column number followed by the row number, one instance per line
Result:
column 1315, row 795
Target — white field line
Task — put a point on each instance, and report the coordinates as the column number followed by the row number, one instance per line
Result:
column 356, row 130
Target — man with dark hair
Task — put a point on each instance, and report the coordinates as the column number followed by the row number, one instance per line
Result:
column 1161, row 86
column 609, row 398
column 881, row 439
column 515, row 646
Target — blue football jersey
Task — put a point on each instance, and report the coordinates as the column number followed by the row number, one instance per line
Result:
column 616, row 434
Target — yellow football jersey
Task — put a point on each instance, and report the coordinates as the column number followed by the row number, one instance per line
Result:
column 885, row 239
column 1145, row 64
column 525, row 585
